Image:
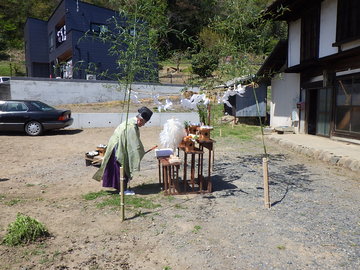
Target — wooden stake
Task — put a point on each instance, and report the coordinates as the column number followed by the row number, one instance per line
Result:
column 122, row 204
column 266, row 183
column 220, row 133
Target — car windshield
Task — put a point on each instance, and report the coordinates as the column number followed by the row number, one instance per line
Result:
column 42, row 106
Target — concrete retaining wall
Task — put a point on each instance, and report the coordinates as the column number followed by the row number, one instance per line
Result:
column 62, row 91
column 93, row 120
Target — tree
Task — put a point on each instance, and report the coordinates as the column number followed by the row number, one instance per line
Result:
column 239, row 38
column 13, row 15
column 204, row 63
column 154, row 13
column 188, row 17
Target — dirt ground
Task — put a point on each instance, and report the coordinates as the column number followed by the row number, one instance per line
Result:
column 313, row 223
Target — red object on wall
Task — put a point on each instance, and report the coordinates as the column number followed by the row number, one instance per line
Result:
column 300, row 105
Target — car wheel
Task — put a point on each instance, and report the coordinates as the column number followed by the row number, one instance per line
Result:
column 33, row 128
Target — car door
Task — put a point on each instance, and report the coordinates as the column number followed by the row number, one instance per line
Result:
column 2, row 114
column 13, row 116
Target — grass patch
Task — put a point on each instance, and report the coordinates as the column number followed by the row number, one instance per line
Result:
column 37, row 252
column 44, row 259
column 57, row 253
column 196, row 229
column 13, row 202
column 141, row 203
column 169, row 198
column 114, row 200
column 94, row 195
column 281, row 247
column 24, row 230
column 14, row 68
column 241, row 132
column 179, row 206
column 130, row 201
column 4, row 68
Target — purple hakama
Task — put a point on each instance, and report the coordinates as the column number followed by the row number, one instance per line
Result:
column 111, row 176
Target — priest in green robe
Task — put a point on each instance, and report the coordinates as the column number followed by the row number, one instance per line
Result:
column 124, row 149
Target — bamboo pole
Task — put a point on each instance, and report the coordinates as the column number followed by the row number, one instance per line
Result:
column 266, row 183
column 209, row 114
column 122, row 204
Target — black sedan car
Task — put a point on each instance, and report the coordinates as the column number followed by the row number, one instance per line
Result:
column 31, row 116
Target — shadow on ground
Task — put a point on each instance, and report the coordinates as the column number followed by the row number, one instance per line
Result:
column 147, row 189
column 45, row 134
column 283, row 176
column 219, row 184
column 62, row 132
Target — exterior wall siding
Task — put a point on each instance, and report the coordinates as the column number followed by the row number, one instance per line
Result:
column 91, row 51
column 36, row 44
column 294, row 43
column 328, row 28
column 285, row 93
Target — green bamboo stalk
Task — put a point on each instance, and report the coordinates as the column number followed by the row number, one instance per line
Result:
column 261, row 124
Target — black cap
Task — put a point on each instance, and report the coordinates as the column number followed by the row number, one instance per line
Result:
column 145, row 113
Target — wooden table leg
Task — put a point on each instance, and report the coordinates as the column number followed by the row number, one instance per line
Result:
column 176, row 178
column 165, row 180
column 159, row 167
column 169, row 178
column 193, row 172
column 213, row 157
column 200, row 172
column 199, row 164
column 209, row 183
column 185, row 167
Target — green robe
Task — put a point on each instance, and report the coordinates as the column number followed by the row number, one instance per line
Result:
column 128, row 153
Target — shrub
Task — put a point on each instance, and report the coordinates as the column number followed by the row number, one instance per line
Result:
column 24, row 230
column 204, row 63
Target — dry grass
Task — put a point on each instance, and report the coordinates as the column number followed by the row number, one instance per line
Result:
column 120, row 106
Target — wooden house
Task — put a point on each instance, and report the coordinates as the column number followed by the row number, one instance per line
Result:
column 315, row 74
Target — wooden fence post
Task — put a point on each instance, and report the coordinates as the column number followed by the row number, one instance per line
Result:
column 266, row 183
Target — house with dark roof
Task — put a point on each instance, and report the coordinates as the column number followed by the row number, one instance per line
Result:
column 315, row 74
column 57, row 47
